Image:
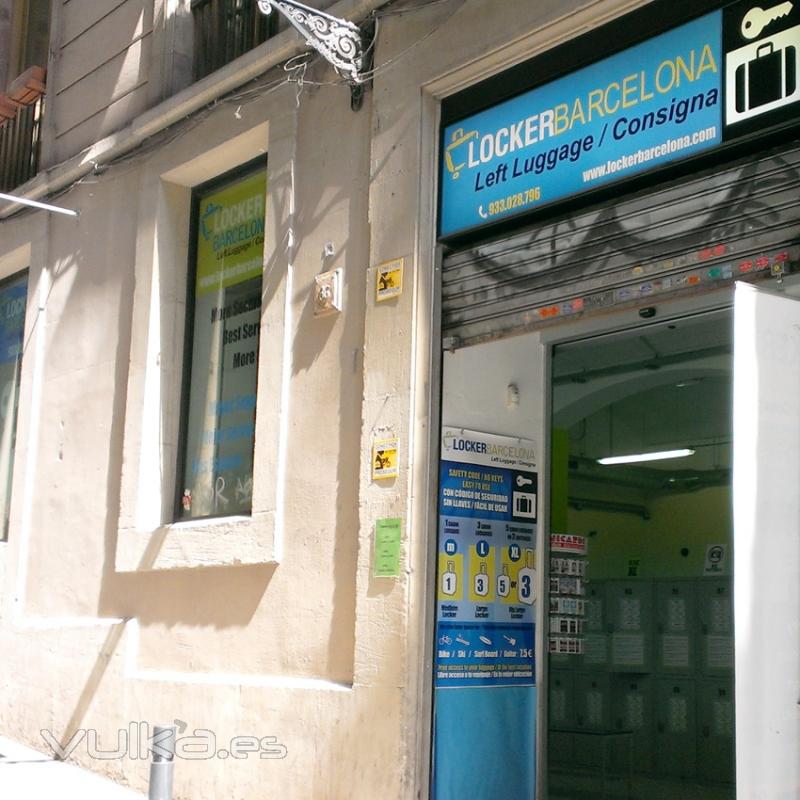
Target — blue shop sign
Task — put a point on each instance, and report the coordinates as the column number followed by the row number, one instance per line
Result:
column 644, row 107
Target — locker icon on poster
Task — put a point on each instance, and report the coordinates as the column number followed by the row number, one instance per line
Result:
column 482, row 582
column 503, row 583
column 524, row 505
column 450, row 580
column 450, row 583
column 526, row 580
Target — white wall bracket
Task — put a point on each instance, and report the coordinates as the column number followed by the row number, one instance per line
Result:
column 339, row 41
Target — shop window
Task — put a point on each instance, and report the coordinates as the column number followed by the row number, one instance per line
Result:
column 24, row 45
column 215, row 469
column 13, row 298
column 225, row 30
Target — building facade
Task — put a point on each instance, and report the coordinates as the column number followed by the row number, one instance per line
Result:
column 302, row 411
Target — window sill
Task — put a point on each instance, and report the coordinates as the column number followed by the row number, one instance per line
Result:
column 218, row 542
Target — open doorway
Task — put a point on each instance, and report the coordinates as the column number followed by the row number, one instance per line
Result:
column 641, row 662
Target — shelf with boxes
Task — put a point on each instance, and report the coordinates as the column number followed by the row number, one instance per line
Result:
column 567, row 583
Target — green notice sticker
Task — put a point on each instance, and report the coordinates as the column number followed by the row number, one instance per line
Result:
column 387, row 548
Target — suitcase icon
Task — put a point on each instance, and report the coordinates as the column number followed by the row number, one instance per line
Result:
column 763, row 80
column 763, row 75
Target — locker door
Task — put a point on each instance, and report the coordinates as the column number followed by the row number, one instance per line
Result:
column 675, row 626
column 595, row 638
column 592, row 700
column 716, row 626
column 592, row 713
column 715, row 733
column 676, row 746
column 766, row 512
column 632, row 710
column 630, row 610
column 562, row 715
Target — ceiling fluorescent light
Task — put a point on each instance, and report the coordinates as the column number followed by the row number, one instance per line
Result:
column 637, row 457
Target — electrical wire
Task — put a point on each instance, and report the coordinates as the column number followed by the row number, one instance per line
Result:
column 381, row 67
column 410, row 10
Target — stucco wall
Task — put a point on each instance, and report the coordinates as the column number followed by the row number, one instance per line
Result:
column 100, row 67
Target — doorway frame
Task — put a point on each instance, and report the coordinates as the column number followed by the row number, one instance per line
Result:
column 613, row 322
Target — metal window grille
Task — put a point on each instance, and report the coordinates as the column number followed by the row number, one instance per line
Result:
column 20, row 145
column 226, row 29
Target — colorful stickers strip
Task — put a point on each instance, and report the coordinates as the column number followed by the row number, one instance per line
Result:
column 486, row 585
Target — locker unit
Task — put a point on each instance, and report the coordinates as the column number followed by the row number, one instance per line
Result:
column 657, row 662
column 592, row 700
column 632, row 709
column 629, row 615
column 595, row 638
column 715, row 730
column 676, row 627
column 561, row 711
column 675, row 727
column 715, row 607
column 593, row 714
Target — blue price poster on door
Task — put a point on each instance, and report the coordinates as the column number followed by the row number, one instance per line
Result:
column 486, row 581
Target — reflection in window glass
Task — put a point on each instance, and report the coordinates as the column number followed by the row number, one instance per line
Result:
column 13, row 297
column 220, row 412
column 36, row 33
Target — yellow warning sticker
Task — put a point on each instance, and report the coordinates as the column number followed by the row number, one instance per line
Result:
column 385, row 459
column 389, row 280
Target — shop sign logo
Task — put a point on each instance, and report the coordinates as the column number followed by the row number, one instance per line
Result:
column 454, row 152
column 763, row 75
column 205, row 230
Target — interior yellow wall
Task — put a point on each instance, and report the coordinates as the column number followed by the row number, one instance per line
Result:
column 559, row 481
column 679, row 521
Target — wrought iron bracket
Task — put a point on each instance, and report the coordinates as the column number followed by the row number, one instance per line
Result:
column 338, row 41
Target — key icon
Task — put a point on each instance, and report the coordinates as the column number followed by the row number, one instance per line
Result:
column 756, row 19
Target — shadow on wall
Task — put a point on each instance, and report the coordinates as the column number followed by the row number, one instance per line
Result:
column 345, row 154
column 229, row 597
column 219, row 597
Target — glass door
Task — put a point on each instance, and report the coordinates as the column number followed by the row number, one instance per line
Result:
column 640, row 600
